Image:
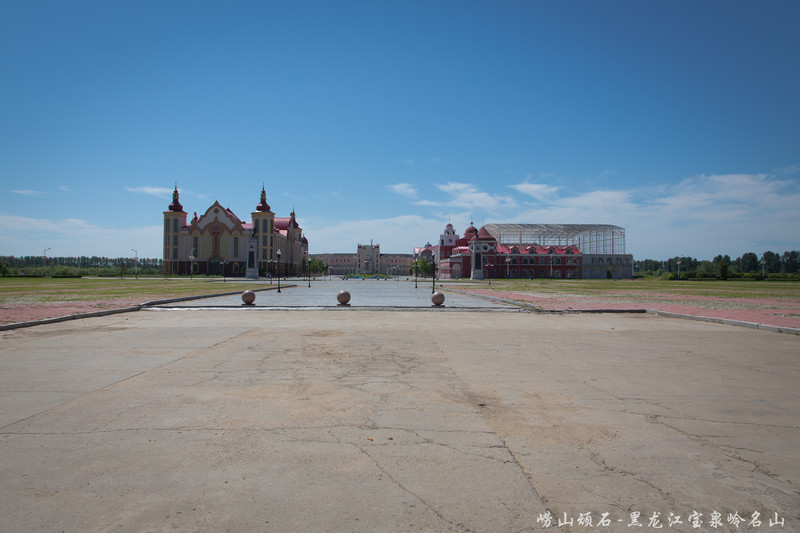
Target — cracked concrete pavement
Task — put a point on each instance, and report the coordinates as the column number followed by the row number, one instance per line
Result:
column 394, row 420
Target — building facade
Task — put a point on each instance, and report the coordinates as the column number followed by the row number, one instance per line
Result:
column 531, row 251
column 368, row 260
column 220, row 243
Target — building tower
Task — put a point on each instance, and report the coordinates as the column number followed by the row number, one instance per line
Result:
column 174, row 221
column 263, row 223
column 483, row 248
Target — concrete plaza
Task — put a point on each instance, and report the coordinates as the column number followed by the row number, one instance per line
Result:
column 365, row 293
column 397, row 420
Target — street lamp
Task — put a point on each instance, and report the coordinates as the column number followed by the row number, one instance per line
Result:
column 278, row 253
column 136, row 257
column 44, row 261
column 763, row 263
column 433, row 277
column 679, row 269
column 508, row 262
column 416, row 269
column 308, row 272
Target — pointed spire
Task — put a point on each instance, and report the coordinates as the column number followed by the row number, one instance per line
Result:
column 175, row 205
column 263, row 206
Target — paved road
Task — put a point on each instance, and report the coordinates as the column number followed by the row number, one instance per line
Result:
column 230, row 420
column 364, row 293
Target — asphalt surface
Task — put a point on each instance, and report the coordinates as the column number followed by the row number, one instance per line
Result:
column 232, row 420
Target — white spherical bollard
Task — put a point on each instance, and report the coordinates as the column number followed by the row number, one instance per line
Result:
column 343, row 298
column 248, row 297
column 437, row 298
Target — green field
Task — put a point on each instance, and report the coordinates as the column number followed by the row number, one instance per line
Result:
column 43, row 290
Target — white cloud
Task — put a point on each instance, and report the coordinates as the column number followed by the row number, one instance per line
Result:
column 404, row 189
column 539, row 191
column 467, row 196
column 28, row 192
column 701, row 216
column 158, row 192
column 398, row 234
column 607, row 173
column 20, row 235
column 789, row 169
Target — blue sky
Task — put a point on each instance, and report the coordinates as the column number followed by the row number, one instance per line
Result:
column 385, row 120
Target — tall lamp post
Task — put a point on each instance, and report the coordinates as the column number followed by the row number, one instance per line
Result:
column 679, row 269
column 44, row 261
column 763, row 264
column 278, row 253
column 416, row 269
column 433, row 277
column 508, row 262
column 308, row 272
column 136, row 258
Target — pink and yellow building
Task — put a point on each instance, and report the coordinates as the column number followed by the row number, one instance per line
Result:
column 218, row 242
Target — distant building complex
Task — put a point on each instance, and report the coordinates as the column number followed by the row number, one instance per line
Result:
column 218, row 242
column 367, row 260
column 573, row 251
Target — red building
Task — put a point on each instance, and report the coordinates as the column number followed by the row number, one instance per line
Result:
column 478, row 255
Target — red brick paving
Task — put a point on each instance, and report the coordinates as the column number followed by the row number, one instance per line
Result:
column 26, row 312
column 773, row 312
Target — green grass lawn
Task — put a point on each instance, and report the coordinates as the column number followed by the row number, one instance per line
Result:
column 42, row 290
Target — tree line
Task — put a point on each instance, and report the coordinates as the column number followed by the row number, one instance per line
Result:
column 37, row 265
column 749, row 265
